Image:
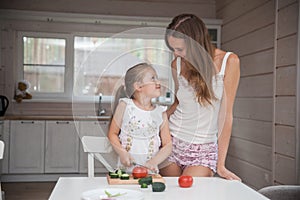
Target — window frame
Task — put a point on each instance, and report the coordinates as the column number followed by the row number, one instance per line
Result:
column 68, row 87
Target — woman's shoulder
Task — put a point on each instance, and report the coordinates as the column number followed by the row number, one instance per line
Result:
column 233, row 58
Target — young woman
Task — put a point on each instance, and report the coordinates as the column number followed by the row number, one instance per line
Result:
column 139, row 130
column 206, row 80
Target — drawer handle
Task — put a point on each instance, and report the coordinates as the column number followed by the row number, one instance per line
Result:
column 62, row 122
column 24, row 122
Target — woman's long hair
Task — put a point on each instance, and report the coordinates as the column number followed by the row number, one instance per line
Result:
column 199, row 54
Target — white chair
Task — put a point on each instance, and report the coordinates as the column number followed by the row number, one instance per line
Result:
column 95, row 146
column 1, row 157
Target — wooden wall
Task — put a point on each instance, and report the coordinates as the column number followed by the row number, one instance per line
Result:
column 286, row 168
column 263, row 145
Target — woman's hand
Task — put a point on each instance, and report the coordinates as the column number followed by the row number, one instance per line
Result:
column 225, row 173
column 152, row 166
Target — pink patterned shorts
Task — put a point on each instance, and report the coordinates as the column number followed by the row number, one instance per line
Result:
column 186, row 154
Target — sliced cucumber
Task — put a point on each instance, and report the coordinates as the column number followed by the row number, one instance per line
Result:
column 109, row 173
column 120, row 172
column 124, row 177
column 114, row 175
column 144, row 185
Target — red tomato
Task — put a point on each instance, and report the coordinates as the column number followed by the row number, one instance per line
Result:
column 139, row 172
column 185, row 181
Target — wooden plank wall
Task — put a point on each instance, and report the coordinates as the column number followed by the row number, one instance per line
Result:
column 263, row 145
column 285, row 140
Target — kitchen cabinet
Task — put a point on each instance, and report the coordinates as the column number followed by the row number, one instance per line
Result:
column 43, row 150
column 26, row 146
column 91, row 128
column 62, row 147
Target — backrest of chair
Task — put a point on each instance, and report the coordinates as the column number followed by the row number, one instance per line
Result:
column 95, row 146
column 1, row 149
column 281, row 192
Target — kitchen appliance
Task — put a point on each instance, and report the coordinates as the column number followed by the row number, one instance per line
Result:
column 3, row 104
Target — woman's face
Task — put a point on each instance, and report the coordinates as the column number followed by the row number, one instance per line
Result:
column 178, row 45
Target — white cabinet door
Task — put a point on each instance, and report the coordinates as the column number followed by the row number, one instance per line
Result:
column 91, row 128
column 26, row 146
column 62, row 147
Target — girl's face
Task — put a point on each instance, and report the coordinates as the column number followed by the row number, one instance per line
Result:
column 178, row 45
column 150, row 86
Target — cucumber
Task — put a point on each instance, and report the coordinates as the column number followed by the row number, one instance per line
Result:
column 114, row 175
column 124, row 177
column 144, row 185
column 158, row 187
column 147, row 180
column 109, row 173
column 120, row 172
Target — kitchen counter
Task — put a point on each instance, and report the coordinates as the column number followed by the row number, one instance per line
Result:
column 50, row 117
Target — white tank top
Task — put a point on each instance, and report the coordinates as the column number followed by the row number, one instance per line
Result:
column 192, row 122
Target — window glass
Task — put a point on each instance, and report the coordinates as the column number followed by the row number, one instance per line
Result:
column 44, row 64
column 100, row 63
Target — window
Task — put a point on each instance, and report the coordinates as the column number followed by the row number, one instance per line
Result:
column 44, row 64
column 101, row 62
column 98, row 63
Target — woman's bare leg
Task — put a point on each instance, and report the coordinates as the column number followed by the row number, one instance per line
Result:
column 171, row 170
column 198, row 171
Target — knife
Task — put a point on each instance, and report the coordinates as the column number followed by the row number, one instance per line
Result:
column 137, row 164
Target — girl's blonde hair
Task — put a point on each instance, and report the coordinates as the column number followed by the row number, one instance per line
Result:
column 199, row 55
column 133, row 75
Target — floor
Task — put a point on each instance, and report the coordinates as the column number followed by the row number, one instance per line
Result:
column 28, row 191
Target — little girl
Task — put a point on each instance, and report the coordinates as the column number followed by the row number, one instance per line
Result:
column 139, row 131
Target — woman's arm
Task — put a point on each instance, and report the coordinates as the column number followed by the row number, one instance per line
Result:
column 172, row 108
column 166, row 148
column 231, row 81
column 113, row 135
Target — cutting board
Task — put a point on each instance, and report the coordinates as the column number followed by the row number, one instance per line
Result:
column 117, row 181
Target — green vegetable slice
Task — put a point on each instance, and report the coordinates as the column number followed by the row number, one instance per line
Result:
column 114, row 175
column 144, row 185
column 113, row 195
column 124, row 177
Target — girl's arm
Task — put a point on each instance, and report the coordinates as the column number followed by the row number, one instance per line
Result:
column 231, row 81
column 166, row 148
column 113, row 135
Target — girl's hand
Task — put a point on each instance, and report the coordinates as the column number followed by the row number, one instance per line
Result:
column 125, row 158
column 225, row 173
